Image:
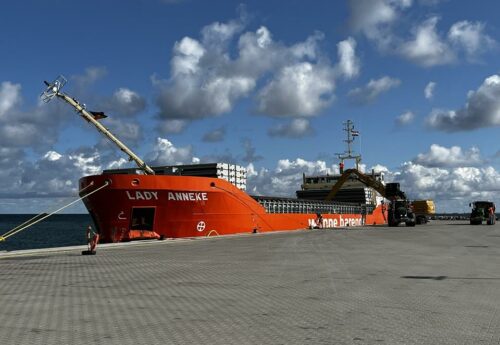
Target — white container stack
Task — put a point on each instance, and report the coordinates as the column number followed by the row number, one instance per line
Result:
column 233, row 173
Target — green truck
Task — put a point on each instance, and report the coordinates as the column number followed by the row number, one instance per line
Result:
column 482, row 211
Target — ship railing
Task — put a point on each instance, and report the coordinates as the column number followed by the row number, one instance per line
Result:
column 285, row 205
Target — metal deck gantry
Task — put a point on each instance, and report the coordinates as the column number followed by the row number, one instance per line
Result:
column 289, row 205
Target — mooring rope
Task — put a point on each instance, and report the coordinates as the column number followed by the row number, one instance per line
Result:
column 38, row 218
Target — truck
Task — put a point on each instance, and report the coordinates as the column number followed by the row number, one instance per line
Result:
column 399, row 208
column 423, row 209
column 482, row 211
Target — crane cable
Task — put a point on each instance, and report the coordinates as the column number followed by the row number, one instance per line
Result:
column 38, row 218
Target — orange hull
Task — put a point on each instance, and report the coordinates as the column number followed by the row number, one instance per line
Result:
column 164, row 206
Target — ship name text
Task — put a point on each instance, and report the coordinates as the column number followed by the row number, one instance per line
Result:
column 189, row 196
column 138, row 195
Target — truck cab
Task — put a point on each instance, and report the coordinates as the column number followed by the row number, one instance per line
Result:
column 482, row 211
column 400, row 211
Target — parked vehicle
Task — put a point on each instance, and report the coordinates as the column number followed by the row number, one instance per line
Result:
column 482, row 211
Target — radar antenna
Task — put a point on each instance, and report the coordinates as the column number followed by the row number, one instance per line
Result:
column 349, row 153
column 54, row 90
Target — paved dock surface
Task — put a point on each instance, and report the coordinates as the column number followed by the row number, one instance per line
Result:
column 432, row 284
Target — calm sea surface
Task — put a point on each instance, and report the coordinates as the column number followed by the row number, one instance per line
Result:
column 55, row 231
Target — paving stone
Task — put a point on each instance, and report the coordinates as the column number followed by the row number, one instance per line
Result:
column 432, row 284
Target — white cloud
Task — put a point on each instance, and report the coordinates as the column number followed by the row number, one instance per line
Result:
column 124, row 102
column 377, row 19
column 296, row 128
column 482, row 109
column 429, row 90
column 187, row 55
column 52, row 156
column 217, row 34
column 348, row 65
column 451, row 188
column 303, row 89
column 87, row 163
column 405, row 118
column 117, row 164
column 373, row 89
column 10, row 96
column 374, row 19
column 440, row 156
column 471, row 38
column 53, row 174
column 165, row 153
column 208, row 78
column 427, row 48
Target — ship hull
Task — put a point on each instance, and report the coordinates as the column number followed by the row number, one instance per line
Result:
column 163, row 206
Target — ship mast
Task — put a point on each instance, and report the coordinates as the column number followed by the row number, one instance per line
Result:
column 349, row 153
column 54, row 90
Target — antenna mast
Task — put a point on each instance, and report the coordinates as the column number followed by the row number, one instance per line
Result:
column 54, row 90
column 349, row 153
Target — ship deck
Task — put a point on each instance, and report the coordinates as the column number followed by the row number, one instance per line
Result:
column 433, row 284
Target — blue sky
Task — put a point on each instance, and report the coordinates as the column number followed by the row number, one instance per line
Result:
column 264, row 84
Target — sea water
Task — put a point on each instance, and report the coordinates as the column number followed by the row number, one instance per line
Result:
column 56, row 231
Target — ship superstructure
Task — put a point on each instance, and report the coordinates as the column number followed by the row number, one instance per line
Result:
column 317, row 187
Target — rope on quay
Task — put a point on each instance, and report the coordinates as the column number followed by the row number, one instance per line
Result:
column 38, row 218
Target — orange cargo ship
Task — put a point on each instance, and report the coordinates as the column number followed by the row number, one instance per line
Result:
column 162, row 206
column 201, row 200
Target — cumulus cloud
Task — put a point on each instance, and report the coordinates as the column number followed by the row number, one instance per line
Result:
column 10, row 96
column 348, row 65
column 296, row 128
column 124, row 102
column 405, row 118
column 35, row 127
column 440, row 156
column 202, row 83
column 303, row 89
column 427, row 48
column 374, row 18
column 214, row 136
column 123, row 108
column 166, row 153
column 368, row 93
column 482, row 109
column 207, row 78
column 451, row 188
column 471, row 38
column 429, row 90
column 53, row 174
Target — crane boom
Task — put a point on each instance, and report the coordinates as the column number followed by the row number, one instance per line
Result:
column 365, row 179
column 53, row 89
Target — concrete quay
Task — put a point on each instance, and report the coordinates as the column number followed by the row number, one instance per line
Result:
column 433, row 284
